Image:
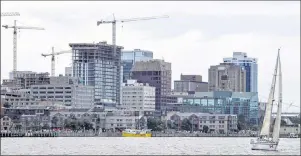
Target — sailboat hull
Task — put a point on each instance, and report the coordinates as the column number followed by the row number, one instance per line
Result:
column 264, row 145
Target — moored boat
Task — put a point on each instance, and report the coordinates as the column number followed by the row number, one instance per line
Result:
column 136, row 133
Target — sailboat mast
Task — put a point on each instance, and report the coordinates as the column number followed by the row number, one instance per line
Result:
column 265, row 129
column 277, row 124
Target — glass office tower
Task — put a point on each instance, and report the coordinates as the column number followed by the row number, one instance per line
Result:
column 128, row 59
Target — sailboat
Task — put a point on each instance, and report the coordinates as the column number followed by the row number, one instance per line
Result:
column 266, row 141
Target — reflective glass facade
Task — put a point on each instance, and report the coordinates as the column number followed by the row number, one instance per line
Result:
column 223, row 102
column 130, row 57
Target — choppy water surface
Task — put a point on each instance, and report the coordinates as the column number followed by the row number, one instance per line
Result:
column 141, row 146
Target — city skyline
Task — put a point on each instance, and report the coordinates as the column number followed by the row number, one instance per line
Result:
column 194, row 35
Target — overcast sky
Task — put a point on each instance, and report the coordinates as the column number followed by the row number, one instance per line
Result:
column 197, row 35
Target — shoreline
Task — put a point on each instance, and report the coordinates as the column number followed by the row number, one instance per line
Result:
column 112, row 134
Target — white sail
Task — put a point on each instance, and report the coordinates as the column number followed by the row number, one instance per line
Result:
column 265, row 129
column 276, row 128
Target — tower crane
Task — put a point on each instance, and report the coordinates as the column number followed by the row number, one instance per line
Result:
column 114, row 21
column 10, row 14
column 53, row 58
column 15, row 27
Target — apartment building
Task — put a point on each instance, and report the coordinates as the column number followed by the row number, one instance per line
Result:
column 189, row 83
column 66, row 90
column 227, row 77
column 138, row 96
column 124, row 122
column 20, row 98
column 221, row 123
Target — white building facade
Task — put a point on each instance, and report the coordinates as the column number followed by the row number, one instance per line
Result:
column 138, row 96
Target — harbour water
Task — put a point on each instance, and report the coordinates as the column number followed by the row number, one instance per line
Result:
column 141, row 146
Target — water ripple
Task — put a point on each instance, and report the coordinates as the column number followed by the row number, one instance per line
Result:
column 141, row 146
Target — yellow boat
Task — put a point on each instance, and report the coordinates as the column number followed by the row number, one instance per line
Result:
column 136, row 133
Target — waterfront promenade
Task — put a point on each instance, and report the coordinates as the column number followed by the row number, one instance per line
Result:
column 118, row 134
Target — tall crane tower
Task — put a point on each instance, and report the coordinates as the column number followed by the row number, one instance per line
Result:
column 10, row 14
column 53, row 54
column 15, row 27
column 114, row 21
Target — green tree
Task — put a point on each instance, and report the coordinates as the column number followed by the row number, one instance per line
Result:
column 186, row 125
column 54, row 121
column 205, row 128
column 170, row 125
column 241, row 122
column 45, row 126
column 155, row 124
column 87, row 125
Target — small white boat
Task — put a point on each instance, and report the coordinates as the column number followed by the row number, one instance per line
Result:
column 264, row 144
column 266, row 141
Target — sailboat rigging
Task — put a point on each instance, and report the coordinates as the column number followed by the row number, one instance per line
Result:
column 266, row 141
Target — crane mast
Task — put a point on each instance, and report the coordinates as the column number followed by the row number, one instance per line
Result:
column 15, row 28
column 53, row 58
column 122, row 21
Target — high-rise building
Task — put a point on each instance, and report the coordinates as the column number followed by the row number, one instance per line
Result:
column 190, row 83
column 251, row 67
column 227, row 77
column 130, row 57
column 156, row 73
column 138, row 96
column 97, row 65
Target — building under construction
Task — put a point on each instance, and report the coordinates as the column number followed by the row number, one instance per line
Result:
column 25, row 79
column 95, row 64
